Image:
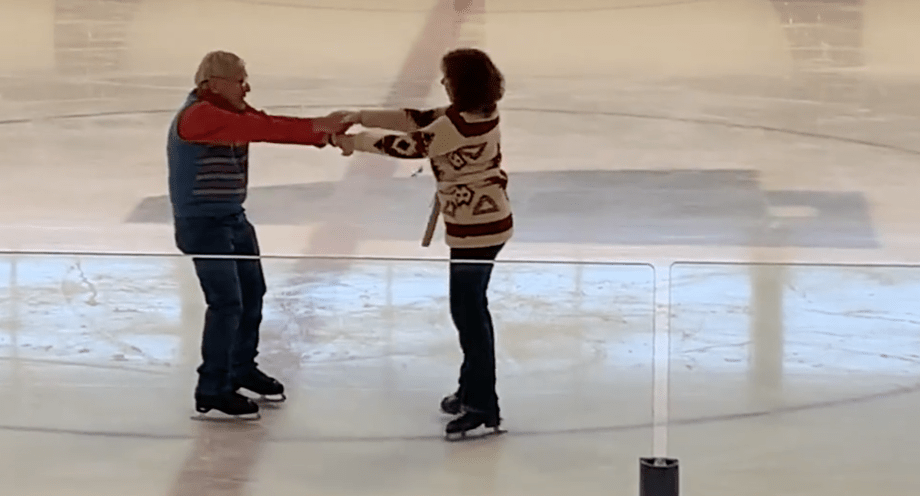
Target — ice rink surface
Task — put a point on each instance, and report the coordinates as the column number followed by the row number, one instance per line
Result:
column 716, row 251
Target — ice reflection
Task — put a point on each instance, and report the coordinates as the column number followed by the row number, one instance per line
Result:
column 831, row 319
column 549, row 317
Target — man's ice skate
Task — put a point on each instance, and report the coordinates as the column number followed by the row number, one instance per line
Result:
column 266, row 387
column 451, row 404
column 469, row 421
column 232, row 404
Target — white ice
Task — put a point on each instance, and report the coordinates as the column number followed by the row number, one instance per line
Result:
column 797, row 377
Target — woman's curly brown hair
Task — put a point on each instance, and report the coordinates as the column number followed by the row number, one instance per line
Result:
column 475, row 83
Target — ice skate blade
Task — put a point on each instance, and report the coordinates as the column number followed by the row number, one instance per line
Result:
column 474, row 434
column 267, row 398
column 272, row 398
column 222, row 417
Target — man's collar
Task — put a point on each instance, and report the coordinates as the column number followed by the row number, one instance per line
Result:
column 218, row 101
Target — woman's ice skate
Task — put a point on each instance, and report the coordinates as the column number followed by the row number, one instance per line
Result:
column 266, row 387
column 469, row 421
column 451, row 404
column 232, row 404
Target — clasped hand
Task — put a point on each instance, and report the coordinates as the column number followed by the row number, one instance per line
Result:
column 335, row 125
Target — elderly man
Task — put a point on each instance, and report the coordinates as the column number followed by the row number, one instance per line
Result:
column 207, row 149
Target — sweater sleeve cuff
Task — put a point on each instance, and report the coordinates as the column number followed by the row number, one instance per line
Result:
column 365, row 140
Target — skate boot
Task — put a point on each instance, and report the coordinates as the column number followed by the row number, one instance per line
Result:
column 257, row 382
column 471, row 420
column 451, row 404
column 233, row 404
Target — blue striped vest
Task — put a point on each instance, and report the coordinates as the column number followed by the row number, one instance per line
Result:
column 205, row 180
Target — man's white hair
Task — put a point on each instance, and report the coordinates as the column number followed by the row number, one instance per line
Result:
column 218, row 64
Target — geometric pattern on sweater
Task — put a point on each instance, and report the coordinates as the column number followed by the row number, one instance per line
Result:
column 413, row 146
column 463, row 156
column 422, row 118
column 485, row 205
column 464, row 150
column 457, row 196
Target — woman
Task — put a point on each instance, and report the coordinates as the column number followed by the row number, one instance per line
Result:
column 462, row 142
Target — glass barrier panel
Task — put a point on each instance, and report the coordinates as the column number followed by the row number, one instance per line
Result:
column 99, row 357
column 794, row 379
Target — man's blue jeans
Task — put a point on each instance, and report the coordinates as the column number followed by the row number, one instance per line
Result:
column 233, row 291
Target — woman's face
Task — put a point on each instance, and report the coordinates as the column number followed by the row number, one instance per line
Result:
column 446, row 84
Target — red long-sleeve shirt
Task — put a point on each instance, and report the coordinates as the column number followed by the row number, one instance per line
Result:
column 213, row 121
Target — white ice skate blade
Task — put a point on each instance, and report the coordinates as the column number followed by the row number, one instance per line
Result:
column 221, row 417
column 272, row 398
column 267, row 398
column 477, row 433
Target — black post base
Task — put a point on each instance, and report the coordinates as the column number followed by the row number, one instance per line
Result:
column 658, row 477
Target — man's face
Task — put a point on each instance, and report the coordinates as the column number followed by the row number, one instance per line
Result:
column 232, row 88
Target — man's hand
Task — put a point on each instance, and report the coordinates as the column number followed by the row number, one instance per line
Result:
column 327, row 139
column 335, row 123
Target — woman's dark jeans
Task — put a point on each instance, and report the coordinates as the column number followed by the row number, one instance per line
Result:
column 469, row 308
